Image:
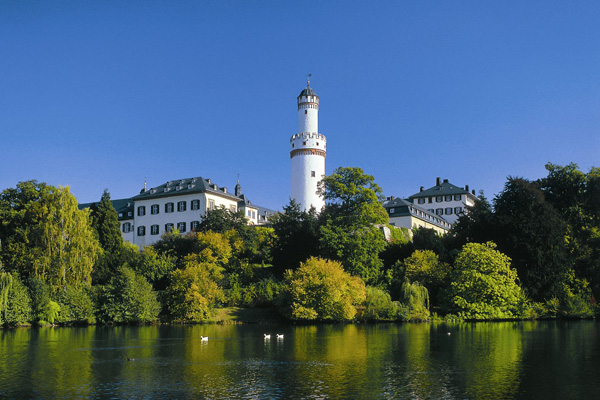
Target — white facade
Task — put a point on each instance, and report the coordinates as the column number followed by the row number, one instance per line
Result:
column 154, row 217
column 445, row 200
column 308, row 152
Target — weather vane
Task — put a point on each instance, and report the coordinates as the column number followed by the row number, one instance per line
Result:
column 308, row 79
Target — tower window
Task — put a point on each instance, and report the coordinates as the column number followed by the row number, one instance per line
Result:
column 312, row 173
column 305, row 111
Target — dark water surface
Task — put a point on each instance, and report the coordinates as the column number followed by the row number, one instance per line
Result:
column 527, row 360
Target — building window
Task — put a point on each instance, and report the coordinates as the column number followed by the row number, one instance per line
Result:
column 154, row 230
column 154, row 209
column 211, row 204
column 120, row 215
column 169, row 207
column 253, row 215
column 181, row 206
column 141, row 211
column 439, row 211
column 194, row 225
column 431, row 199
column 249, row 213
column 195, row 204
column 181, row 227
column 439, row 199
column 457, row 210
column 421, row 200
column 130, row 213
column 448, row 211
column 232, row 208
column 126, row 227
column 457, row 197
column 168, row 227
column 305, row 112
column 448, row 197
column 141, row 230
column 312, row 174
column 392, row 210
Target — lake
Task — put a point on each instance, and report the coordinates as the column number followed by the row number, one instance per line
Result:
column 496, row 360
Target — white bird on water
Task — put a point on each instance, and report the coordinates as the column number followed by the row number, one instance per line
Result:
column 267, row 336
column 204, row 338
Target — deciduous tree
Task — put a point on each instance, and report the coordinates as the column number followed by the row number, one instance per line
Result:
column 320, row 290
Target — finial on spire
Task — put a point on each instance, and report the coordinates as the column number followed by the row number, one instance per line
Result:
column 308, row 80
column 144, row 184
column 238, row 178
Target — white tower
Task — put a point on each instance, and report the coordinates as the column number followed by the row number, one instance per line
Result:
column 308, row 152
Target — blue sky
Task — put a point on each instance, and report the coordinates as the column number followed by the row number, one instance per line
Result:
column 98, row 95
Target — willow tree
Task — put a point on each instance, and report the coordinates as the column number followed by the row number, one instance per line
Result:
column 47, row 236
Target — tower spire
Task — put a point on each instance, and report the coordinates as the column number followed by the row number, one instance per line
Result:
column 308, row 80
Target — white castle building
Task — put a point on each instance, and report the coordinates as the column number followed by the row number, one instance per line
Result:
column 179, row 204
column 435, row 208
column 308, row 151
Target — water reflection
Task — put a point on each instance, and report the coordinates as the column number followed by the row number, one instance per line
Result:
column 477, row 360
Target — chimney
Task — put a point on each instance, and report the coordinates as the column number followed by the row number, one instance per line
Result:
column 438, row 180
column 473, row 192
column 467, row 188
column 445, row 180
column 421, row 189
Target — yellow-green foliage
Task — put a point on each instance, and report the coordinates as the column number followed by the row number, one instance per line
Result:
column 416, row 297
column 424, row 266
column 483, row 284
column 194, row 291
column 320, row 290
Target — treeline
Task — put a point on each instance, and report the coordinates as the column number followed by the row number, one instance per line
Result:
column 534, row 252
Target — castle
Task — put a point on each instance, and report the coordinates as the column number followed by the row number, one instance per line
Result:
column 180, row 204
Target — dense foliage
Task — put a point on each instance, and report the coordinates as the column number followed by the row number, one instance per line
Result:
column 321, row 290
column 533, row 251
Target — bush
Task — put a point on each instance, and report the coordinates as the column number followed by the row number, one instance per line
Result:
column 320, row 290
column 484, row 286
column 380, row 307
column 17, row 306
column 76, row 306
column 193, row 292
column 128, row 298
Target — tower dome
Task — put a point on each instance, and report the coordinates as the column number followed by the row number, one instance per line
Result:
column 308, row 152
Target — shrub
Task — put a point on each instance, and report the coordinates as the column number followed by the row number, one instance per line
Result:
column 320, row 290
column 380, row 307
column 128, row 298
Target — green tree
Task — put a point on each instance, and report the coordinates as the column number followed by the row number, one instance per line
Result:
column 46, row 235
column 127, row 298
column 105, row 223
column 351, row 217
column 416, row 298
column 380, row 307
column 296, row 236
column 221, row 220
column 477, row 224
column 320, row 290
column 424, row 266
column 194, row 291
column 483, row 285
column 532, row 233
column 17, row 308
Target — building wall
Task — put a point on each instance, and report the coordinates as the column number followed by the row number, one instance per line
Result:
column 412, row 222
column 433, row 203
